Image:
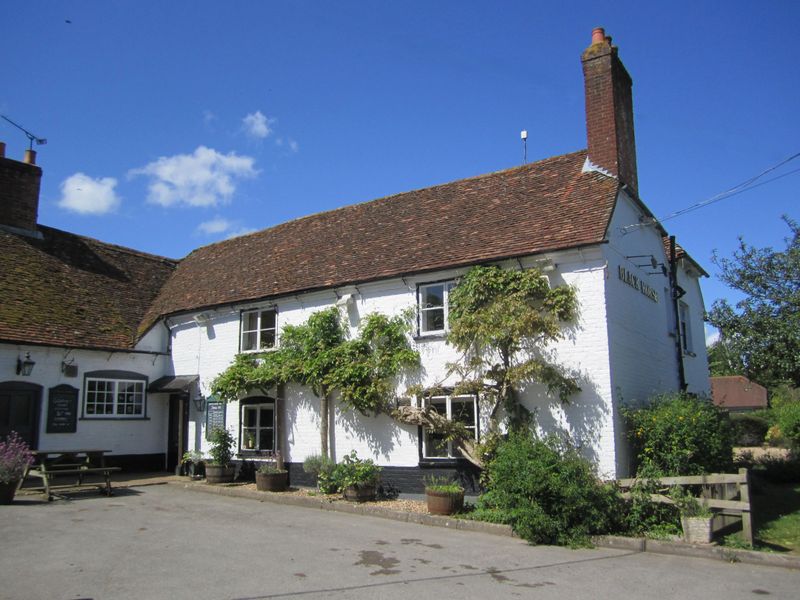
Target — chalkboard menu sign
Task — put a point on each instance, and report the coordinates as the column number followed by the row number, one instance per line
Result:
column 215, row 416
column 62, row 409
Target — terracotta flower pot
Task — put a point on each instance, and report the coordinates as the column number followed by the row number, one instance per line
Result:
column 444, row 503
column 7, row 491
column 220, row 474
column 272, row 482
column 361, row 493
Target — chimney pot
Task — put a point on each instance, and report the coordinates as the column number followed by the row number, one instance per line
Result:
column 30, row 157
column 598, row 35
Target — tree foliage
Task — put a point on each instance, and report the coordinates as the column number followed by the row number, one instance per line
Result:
column 762, row 332
column 319, row 355
column 502, row 320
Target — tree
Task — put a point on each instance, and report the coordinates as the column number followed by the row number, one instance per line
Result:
column 762, row 332
column 319, row 355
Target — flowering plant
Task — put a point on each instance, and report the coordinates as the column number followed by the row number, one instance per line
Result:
column 15, row 456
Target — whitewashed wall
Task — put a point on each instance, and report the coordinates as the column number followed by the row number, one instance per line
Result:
column 695, row 364
column 208, row 350
column 121, row 436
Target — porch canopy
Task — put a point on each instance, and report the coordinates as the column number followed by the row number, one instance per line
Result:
column 172, row 384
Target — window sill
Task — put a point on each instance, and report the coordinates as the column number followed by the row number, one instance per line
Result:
column 113, row 418
column 245, row 453
column 423, row 337
column 436, row 463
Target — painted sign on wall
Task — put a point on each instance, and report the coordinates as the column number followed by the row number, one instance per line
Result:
column 638, row 284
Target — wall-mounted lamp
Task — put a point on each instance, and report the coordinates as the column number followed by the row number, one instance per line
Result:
column 25, row 367
column 199, row 403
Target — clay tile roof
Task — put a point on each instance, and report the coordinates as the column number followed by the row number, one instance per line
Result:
column 542, row 206
column 681, row 253
column 73, row 291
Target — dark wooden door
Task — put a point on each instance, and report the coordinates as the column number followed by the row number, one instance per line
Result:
column 19, row 410
column 177, row 442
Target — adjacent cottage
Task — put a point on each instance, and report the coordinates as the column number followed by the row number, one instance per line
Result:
column 140, row 373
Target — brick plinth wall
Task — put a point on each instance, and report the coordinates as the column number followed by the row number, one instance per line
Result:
column 19, row 194
column 609, row 113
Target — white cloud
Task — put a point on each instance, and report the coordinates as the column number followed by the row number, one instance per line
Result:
column 293, row 145
column 215, row 225
column 257, row 125
column 204, row 178
column 712, row 335
column 87, row 196
column 209, row 117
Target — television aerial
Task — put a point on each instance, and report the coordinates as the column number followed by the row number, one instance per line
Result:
column 31, row 137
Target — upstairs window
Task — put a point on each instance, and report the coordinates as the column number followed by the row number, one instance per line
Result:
column 258, row 329
column 433, row 307
column 462, row 409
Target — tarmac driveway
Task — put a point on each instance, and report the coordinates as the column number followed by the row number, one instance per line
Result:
column 166, row 542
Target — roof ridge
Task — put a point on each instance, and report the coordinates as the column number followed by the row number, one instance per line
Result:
column 395, row 195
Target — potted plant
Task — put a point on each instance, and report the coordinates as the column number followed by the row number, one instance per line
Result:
column 193, row 464
column 220, row 469
column 15, row 458
column 272, row 477
column 322, row 469
column 357, row 478
column 249, row 440
column 443, row 496
column 696, row 519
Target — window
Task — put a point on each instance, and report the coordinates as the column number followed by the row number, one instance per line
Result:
column 686, row 329
column 433, row 301
column 114, row 398
column 462, row 409
column 258, row 426
column 258, row 329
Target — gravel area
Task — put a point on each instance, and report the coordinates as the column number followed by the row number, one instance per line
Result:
column 399, row 504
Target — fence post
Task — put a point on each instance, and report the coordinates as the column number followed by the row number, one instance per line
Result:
column 747, row 515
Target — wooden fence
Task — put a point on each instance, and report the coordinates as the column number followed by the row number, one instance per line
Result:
column 727, row 494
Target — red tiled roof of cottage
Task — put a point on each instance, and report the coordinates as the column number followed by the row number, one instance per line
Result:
column 681, row 253
column 548, row 205
column 73, row 291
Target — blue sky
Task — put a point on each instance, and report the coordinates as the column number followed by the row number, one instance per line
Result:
column 171, row 125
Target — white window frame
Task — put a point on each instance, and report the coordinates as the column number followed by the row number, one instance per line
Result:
column 116, row 402
column 447, row 286
column 259, row 330
column 448, row 401
column 686, row 328
column 258, row 428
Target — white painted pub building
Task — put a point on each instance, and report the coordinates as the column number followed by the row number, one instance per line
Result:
column 120, row 347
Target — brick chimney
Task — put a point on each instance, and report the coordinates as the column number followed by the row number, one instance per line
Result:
column 19, row 191
column 609, row 110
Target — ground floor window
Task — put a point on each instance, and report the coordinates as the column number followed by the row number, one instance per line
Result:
column 462, row 409
column 114, row 398
column 258, row 426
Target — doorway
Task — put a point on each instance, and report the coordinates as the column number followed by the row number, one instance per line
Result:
column 20, row 408
column 178, row 436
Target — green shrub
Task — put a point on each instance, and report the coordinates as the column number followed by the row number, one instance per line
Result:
column 679, row 434
column 356, row 472
column 775, row 469
column 323, row 468
column 443, row 485
column 222, row 442
column 789, row 423
column 547, row 492
column 642, row 516
column 748, row 429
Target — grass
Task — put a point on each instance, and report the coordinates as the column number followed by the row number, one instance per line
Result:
column 776, row 511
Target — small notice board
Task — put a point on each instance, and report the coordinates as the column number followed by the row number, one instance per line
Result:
column 62, row 409
column 215, row 416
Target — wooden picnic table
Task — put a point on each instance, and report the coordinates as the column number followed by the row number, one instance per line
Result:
column 49, row 465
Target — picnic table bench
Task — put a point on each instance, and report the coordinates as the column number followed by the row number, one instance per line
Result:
column 51, row 465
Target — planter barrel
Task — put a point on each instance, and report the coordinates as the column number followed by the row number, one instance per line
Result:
column 7, row 491
column 272, row 482
column 220, row 474
column 361, row 493
column 697, row 530
column 444, row 503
